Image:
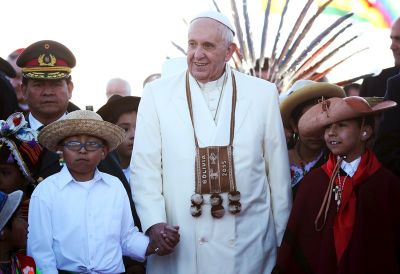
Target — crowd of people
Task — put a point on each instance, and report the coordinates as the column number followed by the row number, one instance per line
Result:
column 211, row 171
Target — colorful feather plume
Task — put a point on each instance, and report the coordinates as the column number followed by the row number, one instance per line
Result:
column 278, row 34
column 264, row 34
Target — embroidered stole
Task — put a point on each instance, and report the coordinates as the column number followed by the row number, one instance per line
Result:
column 214, row 167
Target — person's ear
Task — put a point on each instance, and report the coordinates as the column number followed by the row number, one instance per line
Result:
column 104, row 152
column 366, row 133
column 70, row 86
column 24, row 91
column 293, row 125
column 229, row 53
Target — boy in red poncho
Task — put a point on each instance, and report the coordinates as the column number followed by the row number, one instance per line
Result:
column 346, row 215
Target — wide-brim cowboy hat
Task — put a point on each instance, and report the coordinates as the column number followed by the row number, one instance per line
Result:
column 318, row 117
column 303, row 91
column 81, row 122
column 118, row 105
column 8, row 204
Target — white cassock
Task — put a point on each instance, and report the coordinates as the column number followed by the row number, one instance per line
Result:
column 163, row 175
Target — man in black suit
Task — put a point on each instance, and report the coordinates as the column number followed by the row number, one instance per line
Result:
column 387, row 145
column 376, row 86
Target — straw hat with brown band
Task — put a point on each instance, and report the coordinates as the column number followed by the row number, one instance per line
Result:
column 303, row 91
column 81, row 122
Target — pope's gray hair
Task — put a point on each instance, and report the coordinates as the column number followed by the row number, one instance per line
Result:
column 226, row 33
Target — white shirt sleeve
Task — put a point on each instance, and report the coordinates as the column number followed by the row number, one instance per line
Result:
column 133, row 242
column 40, row 239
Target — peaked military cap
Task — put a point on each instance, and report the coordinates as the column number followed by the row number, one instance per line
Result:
column 6, row 68
column 46, row 59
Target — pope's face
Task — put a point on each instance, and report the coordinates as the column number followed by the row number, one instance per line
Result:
column 207, row 50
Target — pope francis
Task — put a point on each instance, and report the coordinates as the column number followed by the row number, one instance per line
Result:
column 210, row 157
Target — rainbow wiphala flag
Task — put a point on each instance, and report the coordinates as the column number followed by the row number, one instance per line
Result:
column 379, row 13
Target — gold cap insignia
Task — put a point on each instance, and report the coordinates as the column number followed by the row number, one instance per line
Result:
column 47, row 60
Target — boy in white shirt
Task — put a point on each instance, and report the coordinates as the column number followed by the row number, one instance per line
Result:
column 80, row 218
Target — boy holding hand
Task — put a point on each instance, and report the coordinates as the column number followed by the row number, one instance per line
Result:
column 80, row 218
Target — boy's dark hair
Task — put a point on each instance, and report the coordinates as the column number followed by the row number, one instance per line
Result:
column 366, row 121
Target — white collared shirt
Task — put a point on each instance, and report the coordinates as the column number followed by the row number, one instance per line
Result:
column 213, row 92
column 351, row 168
column 82, row 229
column 35, row 123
